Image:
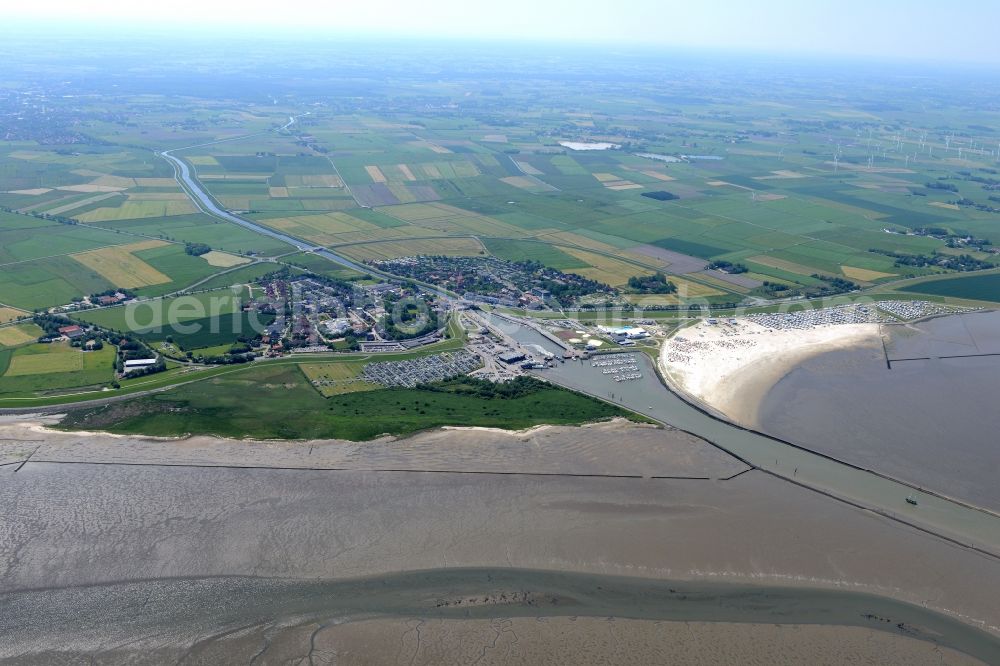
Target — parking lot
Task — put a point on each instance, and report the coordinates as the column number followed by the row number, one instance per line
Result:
column 421, row 370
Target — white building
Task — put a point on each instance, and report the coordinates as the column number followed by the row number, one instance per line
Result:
column 135, row 364
column 625, row 333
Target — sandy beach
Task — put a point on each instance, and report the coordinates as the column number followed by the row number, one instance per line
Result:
column 730, row 367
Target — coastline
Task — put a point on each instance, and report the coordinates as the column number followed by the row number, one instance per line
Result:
column 729, row 368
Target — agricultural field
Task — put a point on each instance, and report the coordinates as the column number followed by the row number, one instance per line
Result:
column 10, row 314
column 121, row 267
column 379, row 250
column 799, row 191
column 19, row 334
column 165, row 312
column 39, row 369
column 971, row 287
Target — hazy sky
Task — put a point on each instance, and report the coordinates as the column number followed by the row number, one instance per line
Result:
column 948, row 30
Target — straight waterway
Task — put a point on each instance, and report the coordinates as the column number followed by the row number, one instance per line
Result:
column 964, row 524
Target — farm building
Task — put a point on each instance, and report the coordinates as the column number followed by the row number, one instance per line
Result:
column 72, row 332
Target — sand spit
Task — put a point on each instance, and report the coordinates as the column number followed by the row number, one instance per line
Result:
column 730, row 366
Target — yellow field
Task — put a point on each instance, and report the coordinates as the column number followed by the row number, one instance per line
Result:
column 59, row 210
column 523, row 182
column 318, row 180
column 578, row 239
column 941, row 204
column 615, row 182
column 441, row 150
column 132, row 209
column 11, row 336
column 418, row 211
column 155, row 182
column 40, row 364
column 605, row 269
column 202, row 160
column 405, row 170
column 781, row 264
column 321, row 229
column 528, row 168
column 277, row 192
column 256, row 177
column 376, row 174
column 394, row 234
column 158, row 196
column 336, row 378
column 454, row 247
column 10, row 314
column 657, row 175
column 864, row 274
column 33, row 192
column 90, row 188
column 122, row 268
column 223, row 259
column 606, row 177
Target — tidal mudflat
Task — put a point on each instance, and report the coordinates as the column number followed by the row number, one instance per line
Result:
column 269, row 555
column 921, row 410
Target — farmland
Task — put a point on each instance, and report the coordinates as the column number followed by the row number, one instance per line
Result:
column 37, row 369
column 13, row 336
column 164, row 312
column 972, row 287
column 778, row 195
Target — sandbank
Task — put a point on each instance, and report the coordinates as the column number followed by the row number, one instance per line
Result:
column 729, row 367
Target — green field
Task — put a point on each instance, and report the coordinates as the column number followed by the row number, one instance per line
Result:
column 165, row 310
column 194, row 334
column 973, row 287
column 39, row 369
column 232, row 406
